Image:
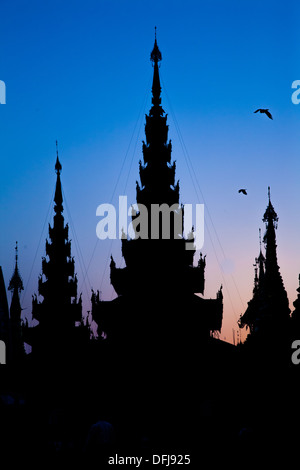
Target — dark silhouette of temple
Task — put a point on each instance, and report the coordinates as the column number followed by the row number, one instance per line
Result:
column 156, row 301
column 268, row 314
column 156, row 379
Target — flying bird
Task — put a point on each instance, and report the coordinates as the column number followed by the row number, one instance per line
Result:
column 266, row 111
column 243, row 191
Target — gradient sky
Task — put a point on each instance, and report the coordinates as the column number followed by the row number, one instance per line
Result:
column 79, row 72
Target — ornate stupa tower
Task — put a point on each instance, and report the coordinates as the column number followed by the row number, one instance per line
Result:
column 295, row 317
column 57, row 314
column 156, row 289
column 249, row 318
column 268, row 312
column 16, row 351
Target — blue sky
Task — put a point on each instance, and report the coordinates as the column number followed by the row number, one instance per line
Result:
column 79, row 72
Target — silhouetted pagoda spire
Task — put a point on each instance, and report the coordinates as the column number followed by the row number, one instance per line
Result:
column 157, row 174
column 16, row 283
column 254, row 305
column 278, row 308
column 4, row 312
column 268, row 311
column 259, row 268
column 59, row 311
column 260, row 261
column 58, row 199
column 159, row 274
column 156, row 57
column 16, row 351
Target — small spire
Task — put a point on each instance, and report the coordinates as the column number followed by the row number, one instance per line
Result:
column 270, row 213
column 16, row 250
column 58, row 166
column 156, row 57
column 261, row 257
column 58, row 199
column 155, row 54
column 256, row 282
column 259, row 231
column 16, row 280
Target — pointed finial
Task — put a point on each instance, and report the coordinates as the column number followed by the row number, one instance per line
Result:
column 259, row 230
column 58, row 166
column 270, row 214
column 16, row 280
column 58, row 199
column 155, row 32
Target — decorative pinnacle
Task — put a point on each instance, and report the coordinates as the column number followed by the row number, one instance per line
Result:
column 16, row 250
column 270, row 213
column 260, row 256
column 16, row 280
column 58, row 166
column 155, row 57
column 58, row 199
column 155, row 54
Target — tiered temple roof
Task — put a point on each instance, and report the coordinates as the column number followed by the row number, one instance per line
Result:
column 157, row 286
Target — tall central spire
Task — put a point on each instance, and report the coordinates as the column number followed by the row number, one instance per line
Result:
column 157, row 174
column 155, row 58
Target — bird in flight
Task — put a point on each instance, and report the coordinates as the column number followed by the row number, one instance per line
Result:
column 266, row 111
column 243, row 191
